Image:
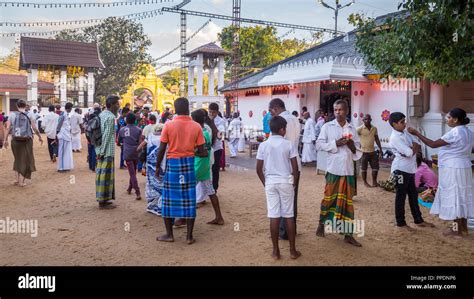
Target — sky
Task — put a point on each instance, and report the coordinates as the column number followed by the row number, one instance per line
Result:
column 163, row 30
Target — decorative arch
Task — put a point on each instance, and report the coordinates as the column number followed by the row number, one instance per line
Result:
column 148, row 88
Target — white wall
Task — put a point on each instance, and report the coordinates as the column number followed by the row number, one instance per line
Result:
column 257, row 104
column 374, row 102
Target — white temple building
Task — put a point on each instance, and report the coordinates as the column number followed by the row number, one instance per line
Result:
column 319, row 76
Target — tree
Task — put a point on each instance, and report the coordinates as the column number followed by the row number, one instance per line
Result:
column 9, row 64
column 428, row 39
column 260, row 46
column 122, row 46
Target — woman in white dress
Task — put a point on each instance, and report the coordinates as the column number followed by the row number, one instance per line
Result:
column 241, row 145
column 454, row 199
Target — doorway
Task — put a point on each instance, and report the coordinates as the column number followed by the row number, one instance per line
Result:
column 331, row 91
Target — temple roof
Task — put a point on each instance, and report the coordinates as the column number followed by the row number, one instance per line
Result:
column 210, row 48
column 20, row 82
column 39, row 51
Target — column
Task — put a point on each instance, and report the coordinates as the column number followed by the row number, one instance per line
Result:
column 220, row 74
column 28, row 86
column 199, row 67
column 211, row 82
column 191, row 80
column 433, row 123
column 81, row 91
column 57, row 85
column 436, row 99
column 7, row 102
column 63, row 88
column 91, row 89
column 34, row 87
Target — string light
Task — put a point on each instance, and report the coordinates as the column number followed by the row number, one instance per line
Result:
column 79, row 5
column 134, row 16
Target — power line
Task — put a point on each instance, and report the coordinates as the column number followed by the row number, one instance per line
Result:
column 80, row 5
column 246, row 20
column 187, row 39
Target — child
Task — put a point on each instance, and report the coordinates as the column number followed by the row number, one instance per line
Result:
column 277, row 168
column 403, row 170
column 426, row 181
column 202, row 168
column 129, row 138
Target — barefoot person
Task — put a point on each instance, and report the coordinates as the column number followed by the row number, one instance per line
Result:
column 50, row 125
column 105, row 152
column 277, row 168
column 309, row 140
column 21, row 125
column 339, row 138
column 403, row 170
column 129, row 138
column 277, row 107
column 181, row 136
column 218, row 145
column 454, row 198
column 65, row 160
column 368, row 135
column 202, row 168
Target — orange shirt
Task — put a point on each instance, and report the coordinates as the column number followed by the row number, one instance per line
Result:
column 183, row 135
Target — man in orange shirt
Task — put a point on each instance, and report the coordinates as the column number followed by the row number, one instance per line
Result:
column 184, row 139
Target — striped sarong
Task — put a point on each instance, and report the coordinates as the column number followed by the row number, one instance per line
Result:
column 105, row 179
column 179, row 189
column 337, row 203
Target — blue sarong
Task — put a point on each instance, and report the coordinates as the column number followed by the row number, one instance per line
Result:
column 179, row 189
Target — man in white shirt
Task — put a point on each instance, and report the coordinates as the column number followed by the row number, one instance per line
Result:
column 277, row 107
column 65, row 162
column 403, row 170
column 50, row 124
column 218, row 146
column 309, row 140
column 235, row 128
column 76, row 125
column 339, row 138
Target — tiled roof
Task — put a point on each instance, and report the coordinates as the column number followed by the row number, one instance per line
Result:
column 336, row 47
column 210, row 48
column 58, row 52
column 20, row 82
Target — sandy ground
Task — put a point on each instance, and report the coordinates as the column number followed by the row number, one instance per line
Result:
column 73, row 231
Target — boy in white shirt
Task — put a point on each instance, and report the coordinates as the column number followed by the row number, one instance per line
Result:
column 403, row 171
column 277, row 168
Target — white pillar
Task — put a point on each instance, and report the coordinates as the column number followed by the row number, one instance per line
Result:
column 28, row 86
column 90, row 89
column 433, row 121
column 199, row 67
column 63, row 88
column 34, row 87
column 7, row 102
column 57, row 85
column 211, row 82
column 81, row 90
column 436, row 99
column 191, row 81
column 220, row 74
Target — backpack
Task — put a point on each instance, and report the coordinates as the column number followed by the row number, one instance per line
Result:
column 21, row 127
column 93, row 132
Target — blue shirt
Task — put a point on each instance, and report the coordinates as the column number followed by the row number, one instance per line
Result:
column 266, row 123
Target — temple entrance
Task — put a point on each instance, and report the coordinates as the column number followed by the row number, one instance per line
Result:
column 331, row 91
column 142, row 97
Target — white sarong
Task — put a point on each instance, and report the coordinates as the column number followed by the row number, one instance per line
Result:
column 65, row 161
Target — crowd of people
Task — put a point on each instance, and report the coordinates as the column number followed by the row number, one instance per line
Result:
column 181, row 153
